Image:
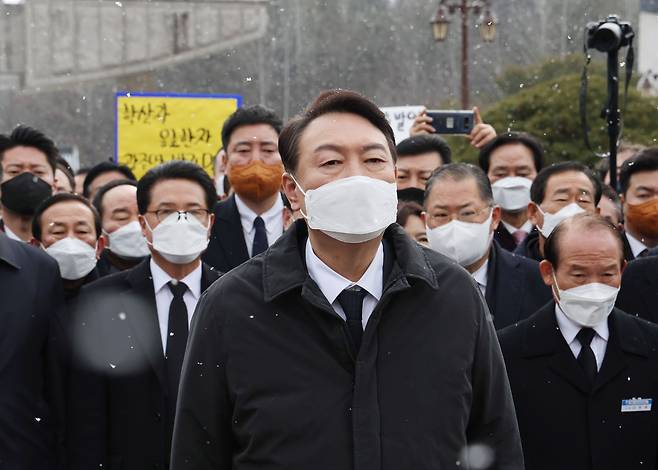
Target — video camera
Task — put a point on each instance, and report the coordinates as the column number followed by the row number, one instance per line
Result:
column 609, row 34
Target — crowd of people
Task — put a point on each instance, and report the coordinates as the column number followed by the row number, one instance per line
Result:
column 329, row 300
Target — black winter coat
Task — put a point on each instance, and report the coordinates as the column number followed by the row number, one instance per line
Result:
column 270, row 381
column 567, row 425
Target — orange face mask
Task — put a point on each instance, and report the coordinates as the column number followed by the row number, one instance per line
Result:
column 644, row 217
column 256, row 180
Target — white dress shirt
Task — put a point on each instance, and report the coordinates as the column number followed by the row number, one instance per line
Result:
column 570, row 329
column 636, row 245
column 332, row 284
column 273, row 218
column 12, row 235
column 480, row 277
column 527, row 227
column 163, row 296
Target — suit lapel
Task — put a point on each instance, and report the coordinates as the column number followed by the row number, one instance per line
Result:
column 230, row 234
column 208, row 276
column 543, row 337
column 625, row 338
column 503, row 284
column 141, row 311
column 628, row 251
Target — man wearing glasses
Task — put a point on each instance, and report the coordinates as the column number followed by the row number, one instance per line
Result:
column 461, row 218
column 130, row 329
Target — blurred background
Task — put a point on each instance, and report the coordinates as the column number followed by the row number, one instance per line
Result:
column 62, row 61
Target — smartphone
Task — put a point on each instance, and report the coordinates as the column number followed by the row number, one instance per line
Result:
column 452, row 121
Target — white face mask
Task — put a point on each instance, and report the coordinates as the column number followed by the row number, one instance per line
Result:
column 75, row 258
column 587, row 305
column 128, row 241
column 464, row 242
column 351, row 210
column 552, row 220
column 512, row 193
column 179, row 239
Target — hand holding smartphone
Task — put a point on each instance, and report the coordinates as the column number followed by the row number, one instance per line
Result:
column 452, row 121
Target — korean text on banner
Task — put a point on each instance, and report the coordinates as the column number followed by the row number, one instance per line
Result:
column 401, row 118
column 155, row 128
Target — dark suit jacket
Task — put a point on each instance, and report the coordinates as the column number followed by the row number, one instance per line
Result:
column 639, row 289
column 504, row 238
column 529, row 247
column 30, row 329
column 118, row 393
column 227, row 247
column 515, row 289
column 566, row 426
column 109, row 263
column 628, row 252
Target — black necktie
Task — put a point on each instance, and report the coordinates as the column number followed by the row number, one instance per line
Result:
column 176, row 342
column 586, row 358
column 644, row 253
column 260, row 237
column 352, row 302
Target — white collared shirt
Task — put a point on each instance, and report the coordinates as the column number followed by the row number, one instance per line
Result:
column 527, row 227
column 480, row 277
column 636, row 245
column 273, row 218
column 332, row 284
column 12, row 235
column 164, row 296
column 570, row 329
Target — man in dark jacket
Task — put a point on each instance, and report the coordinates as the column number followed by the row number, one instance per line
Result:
column 125, row 246
column 461, row 219
column 511, row 161
column 30, row 328
column 638, row 182
column 252, row 218
column 68, row 228
column 558, row 192
column 346, row 345
column 583, row 373
column 130, row 329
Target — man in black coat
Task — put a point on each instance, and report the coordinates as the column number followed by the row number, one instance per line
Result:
column 511, row 162
column 461, row 219
column 125, row 246
column 30, row 330
column 252, row 218
column 638, row 182
column 343, row 346
column 68, row 228
column 639, row 289
column 559, row 191
column 583, row 373
column 130, row 329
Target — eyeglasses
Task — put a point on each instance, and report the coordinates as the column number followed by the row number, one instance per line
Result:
column 441, row 217
column 200, row 214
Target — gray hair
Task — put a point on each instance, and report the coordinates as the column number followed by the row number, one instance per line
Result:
column 460, row 172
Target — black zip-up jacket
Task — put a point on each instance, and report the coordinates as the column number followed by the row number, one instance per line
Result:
column 270, row 380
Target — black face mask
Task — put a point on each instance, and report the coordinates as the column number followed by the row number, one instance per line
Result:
column 23, row 193
column 411, row 194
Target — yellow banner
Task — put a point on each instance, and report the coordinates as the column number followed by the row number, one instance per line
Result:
column 154, row 128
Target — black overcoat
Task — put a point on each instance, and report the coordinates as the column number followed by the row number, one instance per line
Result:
column 564, row 423
column 270, row 381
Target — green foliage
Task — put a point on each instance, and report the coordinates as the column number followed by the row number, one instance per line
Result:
column 516, row 77
column 549, row 110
